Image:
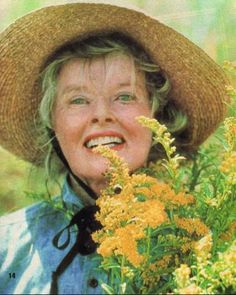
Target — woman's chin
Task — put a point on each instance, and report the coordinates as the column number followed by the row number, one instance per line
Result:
column 92, row 170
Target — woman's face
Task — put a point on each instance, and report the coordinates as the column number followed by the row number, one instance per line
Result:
column 97, row 102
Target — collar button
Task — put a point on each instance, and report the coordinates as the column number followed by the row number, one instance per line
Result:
column 93, row 283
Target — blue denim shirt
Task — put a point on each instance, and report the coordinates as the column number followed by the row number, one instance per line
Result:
column 28, row 257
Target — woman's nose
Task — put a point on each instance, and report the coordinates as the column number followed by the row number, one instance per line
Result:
column 102, row 112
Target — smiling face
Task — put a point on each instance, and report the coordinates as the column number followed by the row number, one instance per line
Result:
column 97, row 102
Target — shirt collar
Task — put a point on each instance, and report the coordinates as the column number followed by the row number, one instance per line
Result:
column 71, row 200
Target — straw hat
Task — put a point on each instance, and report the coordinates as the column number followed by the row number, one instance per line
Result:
column 198, row 83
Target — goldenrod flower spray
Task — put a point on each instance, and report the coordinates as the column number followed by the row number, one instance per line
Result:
column 168, row 235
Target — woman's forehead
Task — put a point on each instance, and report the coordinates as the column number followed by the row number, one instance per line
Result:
column 114, row 68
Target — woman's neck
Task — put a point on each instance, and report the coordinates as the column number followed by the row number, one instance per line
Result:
column 96, row 186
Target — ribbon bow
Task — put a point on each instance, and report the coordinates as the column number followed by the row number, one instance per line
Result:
column 84, row 244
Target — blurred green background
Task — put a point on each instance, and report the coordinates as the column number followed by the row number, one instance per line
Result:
column 211, row 24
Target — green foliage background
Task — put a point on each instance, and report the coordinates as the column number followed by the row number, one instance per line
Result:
column 208, row 23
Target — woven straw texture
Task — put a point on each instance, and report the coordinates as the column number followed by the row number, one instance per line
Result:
column 198, row 83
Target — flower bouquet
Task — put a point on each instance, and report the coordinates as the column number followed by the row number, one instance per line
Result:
column 170, row 228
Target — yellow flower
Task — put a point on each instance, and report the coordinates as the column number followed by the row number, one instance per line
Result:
column 230, row 133
column 163, row 137
column 107, row 246
column 163, row 262
column 127, row 244
column 142, row 179
column 229, row 65
column 118, row 171
column 228, row 165
column 203, row 247
column 151, row 274
column 230, row 90
column 182, row 275
column 127, row 272
column 227, row 236
column 227, row 277
column 112, row 212
column 188, row 244
column 191, row 289
column 122, row 242
column 150, row 213
column 169, row 197
column 192, row 225
column 177, row 260
column 228, row 258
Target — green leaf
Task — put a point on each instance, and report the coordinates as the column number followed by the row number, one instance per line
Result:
column 123, row 288
column 141, row 197
column 108, row 289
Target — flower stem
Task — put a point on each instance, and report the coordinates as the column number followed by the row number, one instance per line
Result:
column 148, row 242
column 122, row 274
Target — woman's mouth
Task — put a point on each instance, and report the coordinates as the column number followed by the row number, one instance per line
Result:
column 109, row 141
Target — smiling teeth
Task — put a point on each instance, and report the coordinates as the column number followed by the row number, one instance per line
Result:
column 106, row 140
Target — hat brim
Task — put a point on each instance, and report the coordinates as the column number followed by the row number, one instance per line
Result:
column 198, row 83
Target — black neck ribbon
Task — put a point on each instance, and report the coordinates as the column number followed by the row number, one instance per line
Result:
column 87, row 224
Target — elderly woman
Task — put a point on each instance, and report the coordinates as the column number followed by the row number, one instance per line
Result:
column 74, row 77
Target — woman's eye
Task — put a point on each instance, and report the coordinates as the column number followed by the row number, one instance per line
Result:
column 79, row 100
column 126, row 97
